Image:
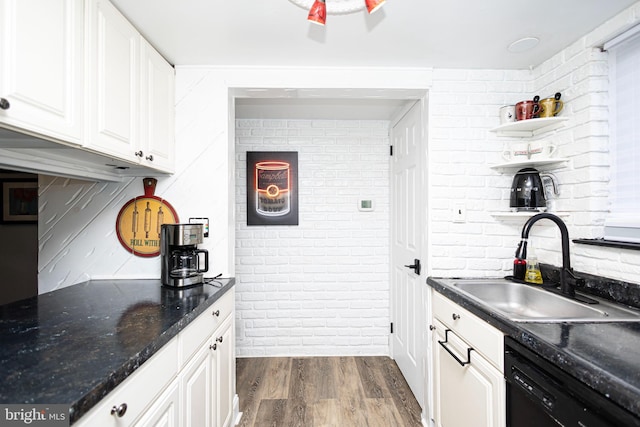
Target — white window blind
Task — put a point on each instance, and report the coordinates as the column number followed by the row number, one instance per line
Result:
column 623, row 222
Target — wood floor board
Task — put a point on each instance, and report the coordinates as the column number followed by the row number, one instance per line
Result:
column 324, row 392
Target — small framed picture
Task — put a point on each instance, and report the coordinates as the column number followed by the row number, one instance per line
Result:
column 19, row 202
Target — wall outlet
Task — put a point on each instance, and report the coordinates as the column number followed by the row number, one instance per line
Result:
column 459, row 213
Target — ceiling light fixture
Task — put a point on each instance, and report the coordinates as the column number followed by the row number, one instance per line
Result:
column 319, row 9
column 318, row 12
column 373, row 5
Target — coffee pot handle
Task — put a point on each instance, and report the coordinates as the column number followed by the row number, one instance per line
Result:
column 206, row 261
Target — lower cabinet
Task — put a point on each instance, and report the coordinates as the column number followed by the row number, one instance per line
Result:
column 468, row 382
column 207, row 381
column 189, row 382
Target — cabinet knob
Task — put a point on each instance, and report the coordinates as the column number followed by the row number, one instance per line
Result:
column 219, row 339
column 213, row 346
column 455, row 316
column 4, row 104
column 432, row 327
column 139, row 153
column 119, row 411
column 149, row 157
column 216, row 313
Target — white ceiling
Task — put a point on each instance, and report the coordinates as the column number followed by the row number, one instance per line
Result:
column 403, row 33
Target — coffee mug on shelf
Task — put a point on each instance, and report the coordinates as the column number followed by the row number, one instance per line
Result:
column 541, row 150
column 516, row 152
column 550, row 107
column 526, row 110
column 507, row 114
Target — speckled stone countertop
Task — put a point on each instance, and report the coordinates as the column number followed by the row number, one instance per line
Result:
column 74, row 345
column 604, row 356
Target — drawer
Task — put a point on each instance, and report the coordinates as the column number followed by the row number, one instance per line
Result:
column 477, row 333
column 138, row 391
column 198, row 331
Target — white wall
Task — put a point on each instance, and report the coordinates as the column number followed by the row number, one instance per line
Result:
column 321, row 287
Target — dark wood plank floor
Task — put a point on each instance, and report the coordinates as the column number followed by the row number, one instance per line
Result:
column 324, row 392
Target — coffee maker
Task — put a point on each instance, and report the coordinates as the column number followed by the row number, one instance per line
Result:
column 180, row 257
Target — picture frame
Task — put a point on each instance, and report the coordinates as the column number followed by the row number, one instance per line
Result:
column 272, row 188
column 19, row 202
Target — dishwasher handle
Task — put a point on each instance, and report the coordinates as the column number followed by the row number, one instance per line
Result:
column 446, row 340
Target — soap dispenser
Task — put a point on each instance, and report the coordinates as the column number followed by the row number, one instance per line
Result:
column 533, row 274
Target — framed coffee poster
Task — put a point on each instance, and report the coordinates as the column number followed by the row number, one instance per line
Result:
column 272, row 188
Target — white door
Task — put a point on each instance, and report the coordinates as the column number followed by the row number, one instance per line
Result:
column 408, row 195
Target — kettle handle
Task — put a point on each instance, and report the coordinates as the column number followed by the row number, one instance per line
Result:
column 548, row 177
column 206, row 261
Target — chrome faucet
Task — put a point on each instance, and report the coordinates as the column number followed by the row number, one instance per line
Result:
column 566, row 274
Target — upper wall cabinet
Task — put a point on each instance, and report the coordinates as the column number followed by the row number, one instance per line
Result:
column 41, row 66
column 113, row 81
column 157, row 108
column 131, row 91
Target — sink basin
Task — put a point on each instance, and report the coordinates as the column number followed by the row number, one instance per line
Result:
column 526, row 303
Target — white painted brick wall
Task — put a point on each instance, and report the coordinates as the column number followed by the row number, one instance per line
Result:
column 322, row 287
column 464, row 107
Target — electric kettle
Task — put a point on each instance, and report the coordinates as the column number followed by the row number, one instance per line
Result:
column 528, row 191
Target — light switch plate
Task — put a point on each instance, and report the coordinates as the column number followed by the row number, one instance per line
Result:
column 459, row 213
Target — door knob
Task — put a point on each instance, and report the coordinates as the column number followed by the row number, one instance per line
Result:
column 415, row 266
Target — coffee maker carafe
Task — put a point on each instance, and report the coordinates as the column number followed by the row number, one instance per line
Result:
column 181, row 260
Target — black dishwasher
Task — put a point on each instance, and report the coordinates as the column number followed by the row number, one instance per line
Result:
column 539, row 395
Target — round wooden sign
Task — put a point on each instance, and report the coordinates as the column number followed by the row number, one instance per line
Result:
column 139, row 221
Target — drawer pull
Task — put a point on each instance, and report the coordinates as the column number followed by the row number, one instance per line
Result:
column 119, row 411
column 216, row 313
column 219, row 339
column 139, row 153
column 150, row 158
column 213, row 347
column 455, row 316
column 446, row 340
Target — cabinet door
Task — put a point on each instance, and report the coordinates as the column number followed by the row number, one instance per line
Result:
column 469, row 395
column 157, row 110
column 196, row 384
column 114, row 82
column 164, row 412
column 224, row 370
column 41, row 67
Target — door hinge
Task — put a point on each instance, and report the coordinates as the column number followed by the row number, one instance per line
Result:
column 391, row 327
column 391, row 150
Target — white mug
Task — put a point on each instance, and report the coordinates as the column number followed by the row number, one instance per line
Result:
column 541, row 150
column 507, row 114
column 516, row 152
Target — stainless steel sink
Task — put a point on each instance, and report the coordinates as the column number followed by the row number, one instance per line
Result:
column 528, row 303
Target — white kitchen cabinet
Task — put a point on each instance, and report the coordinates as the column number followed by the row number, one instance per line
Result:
column 113, row 82
column 157, row 83
column 41, row 68
column 188, row 382
column 131, row 399
column 165, row 411
column 224, row 368
column 468, row 382
column 208, row 379
column 131, row 92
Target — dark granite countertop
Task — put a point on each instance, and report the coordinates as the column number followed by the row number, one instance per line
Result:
column 74, row 345
column 604, row 356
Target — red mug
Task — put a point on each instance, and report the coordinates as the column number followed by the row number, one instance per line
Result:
column 526, row 110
